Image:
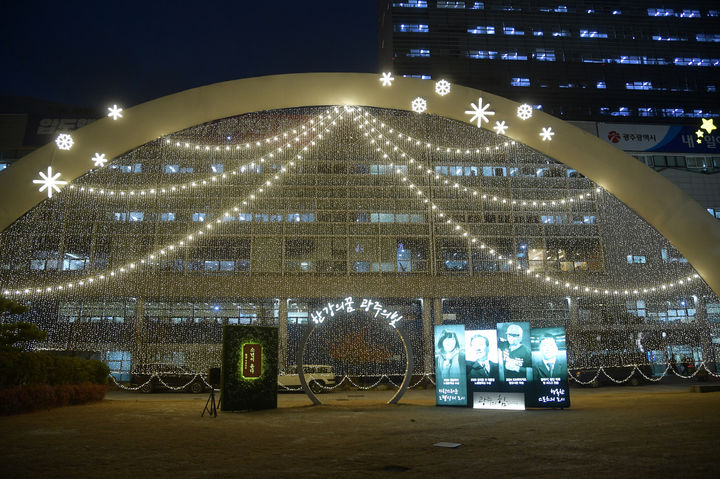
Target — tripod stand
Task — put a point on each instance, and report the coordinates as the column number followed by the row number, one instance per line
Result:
column 211, row 406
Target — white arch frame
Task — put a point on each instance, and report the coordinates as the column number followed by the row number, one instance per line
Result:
column 662, row 204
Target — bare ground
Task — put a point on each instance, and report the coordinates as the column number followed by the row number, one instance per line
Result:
column 650, row 431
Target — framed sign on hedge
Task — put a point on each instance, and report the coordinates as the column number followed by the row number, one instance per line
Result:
column 250, row 365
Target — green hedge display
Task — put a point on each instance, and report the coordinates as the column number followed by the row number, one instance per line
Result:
column 250, row 367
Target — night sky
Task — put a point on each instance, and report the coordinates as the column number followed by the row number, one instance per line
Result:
column 127, row 52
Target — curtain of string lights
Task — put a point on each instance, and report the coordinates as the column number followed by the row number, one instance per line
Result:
column 479, row 205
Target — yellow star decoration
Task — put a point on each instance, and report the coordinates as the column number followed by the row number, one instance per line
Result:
column 708, row 125
column 700, row 133
column 699, row 140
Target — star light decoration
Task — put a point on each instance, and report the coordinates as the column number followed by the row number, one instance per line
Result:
column 708, row 125
column 479, row 112
column 500, row 127
column 547, row 134
column 524, row 111
column 442, row 87
column 115, row 112
column 64, row 141
column 387, row 79
column 99, row 160
column 50, row 182
column 419, row 105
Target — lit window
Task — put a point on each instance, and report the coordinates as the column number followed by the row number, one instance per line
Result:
column 137, row 216
column 420, row 76
column 537, row 33
column 561, row 9
column 481, row 6
column 419, row 52
column 630, row 60
column 512, row 31
column 412, row 28
column 544, row 55
column 513, row 56
column 411, row 4
column 673, row 112
column 711, row 88
column 646, row 111
column 482, row 54
column 669, row 38
column 601, row 85
column 561, row 33
column 3, row 166
column 244, row 217
column 713, row 13
column 481, row 30
column 198, row 217
column 660, row 12
column 622, row 111
column 638, row 85
column 518, row 81
column 690, row 14
column 167, row 216
column 171, row 168
column 592, row 34
column 617, row 12
column 136, row 168
column 450, row 4
column 636, row 259
column 120, row 216
column 217, row 168
column 707, row 37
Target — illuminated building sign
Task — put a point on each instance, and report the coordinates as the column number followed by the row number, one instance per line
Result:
column 348, row 305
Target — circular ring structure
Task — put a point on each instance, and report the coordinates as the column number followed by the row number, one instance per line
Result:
column 300, row 360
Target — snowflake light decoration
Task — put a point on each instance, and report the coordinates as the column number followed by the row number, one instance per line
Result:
column 115, row 112
column 547, row 134
column 387, row 79
column 50, row 182
column 99, row 159
column 419, row 105
column 64, row 141
column 500, row 127
column 479, row 112
column 524, row 111
column 442, row 87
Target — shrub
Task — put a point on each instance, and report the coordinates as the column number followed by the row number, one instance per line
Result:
column 35, row 368
column 19, row 399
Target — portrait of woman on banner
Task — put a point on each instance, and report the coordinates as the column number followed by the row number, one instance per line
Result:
column 449, row 358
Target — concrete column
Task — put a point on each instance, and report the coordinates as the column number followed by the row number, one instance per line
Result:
column 282, row 333
column 574, row 306
column 708, row 350
column 427, row 322
column 139, row 351
column 437, row 311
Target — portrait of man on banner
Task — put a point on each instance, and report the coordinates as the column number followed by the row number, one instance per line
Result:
column 515, row 356
column 481, row 357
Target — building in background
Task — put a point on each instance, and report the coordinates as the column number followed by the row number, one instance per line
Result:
column 637, row 74
column 649, row 61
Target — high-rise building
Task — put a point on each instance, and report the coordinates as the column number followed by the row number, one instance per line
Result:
column 650, row 61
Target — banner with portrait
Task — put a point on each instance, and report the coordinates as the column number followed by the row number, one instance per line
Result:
column 550, row 386
column 450, row 375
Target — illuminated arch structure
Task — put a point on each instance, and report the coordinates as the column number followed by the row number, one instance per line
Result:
column 345, row 218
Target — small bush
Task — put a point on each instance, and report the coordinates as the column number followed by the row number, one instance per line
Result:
column 34, row 368
column 20, row 399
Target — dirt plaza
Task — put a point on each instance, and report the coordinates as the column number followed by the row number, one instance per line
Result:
column 647, row 431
